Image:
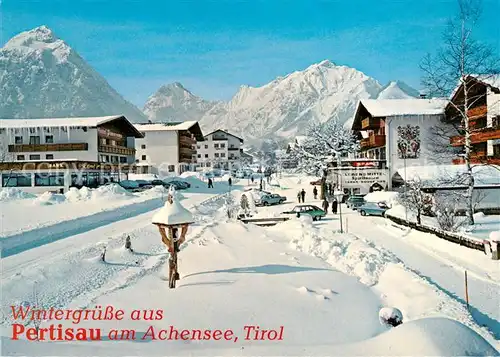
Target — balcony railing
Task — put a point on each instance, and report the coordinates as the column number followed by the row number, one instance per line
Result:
column 119, row 150
column 479, row 158
column 218, row 138
column 482, row 136
column 373, row 141
column 477, row 112
column 370, row 123
column 187, row 140
column 48, row 147
column 187, row 151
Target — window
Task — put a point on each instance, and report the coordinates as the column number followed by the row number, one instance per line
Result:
column 199, row 156
column 206, row 146
column 49, row 179
column 231, row 146
column 143, row 157
column 137, row 161
column 49, row 157
column 222, row 154
column 20, row 157
column 216, row 154
column 206, row 156
column 143, row 146
column 49, row 139
column 123, row 160
column 34, row 140
column 16, row 180
column 171, row 168
column 34, row 157
column 216, row 146
column 198, row 147
column 222, row 146
column 19, row 140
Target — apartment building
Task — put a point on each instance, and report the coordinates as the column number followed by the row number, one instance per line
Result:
column 393, row 133
column 483, row 116
column 54, row 154
column 220, row 150
column 167, row 148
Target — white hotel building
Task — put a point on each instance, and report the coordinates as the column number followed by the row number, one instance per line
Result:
column 220, row 150
column 167, row 148
column 41, row 155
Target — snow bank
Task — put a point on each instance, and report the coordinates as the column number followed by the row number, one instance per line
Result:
column 49, row 198
column 495, row 236
column 435, row 336
column 388, row 197
column 107, row 192
column 76, row 195
column 13, row 193
column 343, row 251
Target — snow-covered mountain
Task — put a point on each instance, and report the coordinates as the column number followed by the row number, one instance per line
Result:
column 285, row 106
column 398, row 90
column 41, row 76
column 173, row 102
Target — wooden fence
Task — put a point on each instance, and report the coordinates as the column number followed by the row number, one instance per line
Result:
column 451, row 237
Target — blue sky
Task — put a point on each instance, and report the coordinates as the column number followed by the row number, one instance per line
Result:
column 213, row 47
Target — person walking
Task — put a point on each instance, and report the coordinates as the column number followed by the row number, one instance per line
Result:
column 210, row 183
column 298, row 196
column 303, row 195
column 325, row 205
column 230, row 181
column 334, row 206
column 315, row 192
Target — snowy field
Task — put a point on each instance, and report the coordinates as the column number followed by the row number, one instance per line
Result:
column 322, row 289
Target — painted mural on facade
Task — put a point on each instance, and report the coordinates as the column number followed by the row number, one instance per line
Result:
column 409, row 141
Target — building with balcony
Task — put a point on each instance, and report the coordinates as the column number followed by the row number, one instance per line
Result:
column 167, row 148
column 397, row 132
column 220, row 150
column 41, row 155
column 483, row 118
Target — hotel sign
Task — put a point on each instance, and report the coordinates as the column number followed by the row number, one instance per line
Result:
column 108, row 133
column 353, row 178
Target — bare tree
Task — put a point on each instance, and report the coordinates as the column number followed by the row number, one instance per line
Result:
column 457, row 64
column 415, row 199
column 446, row 208
column 324, row 143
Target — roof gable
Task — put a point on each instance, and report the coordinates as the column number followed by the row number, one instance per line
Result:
column 225, row 132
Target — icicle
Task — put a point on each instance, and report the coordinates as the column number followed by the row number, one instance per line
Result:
column 67, row 133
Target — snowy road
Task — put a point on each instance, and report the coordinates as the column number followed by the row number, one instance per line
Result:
column 484, row 296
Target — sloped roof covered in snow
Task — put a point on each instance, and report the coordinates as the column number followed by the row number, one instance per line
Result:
column 190, row 125
column 227, row 133
column 450, row 175
column 56, row 122
column 90, row 122
column 396, row 107
column 492, row 81
column 393, row 107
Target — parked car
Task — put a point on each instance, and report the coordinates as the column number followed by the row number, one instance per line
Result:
column 314, row 211
column 182, row 184
column 354, row 201
column 270, row 199
column 373, row 209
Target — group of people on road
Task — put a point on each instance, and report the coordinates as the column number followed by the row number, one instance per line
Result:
column 329, row 198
